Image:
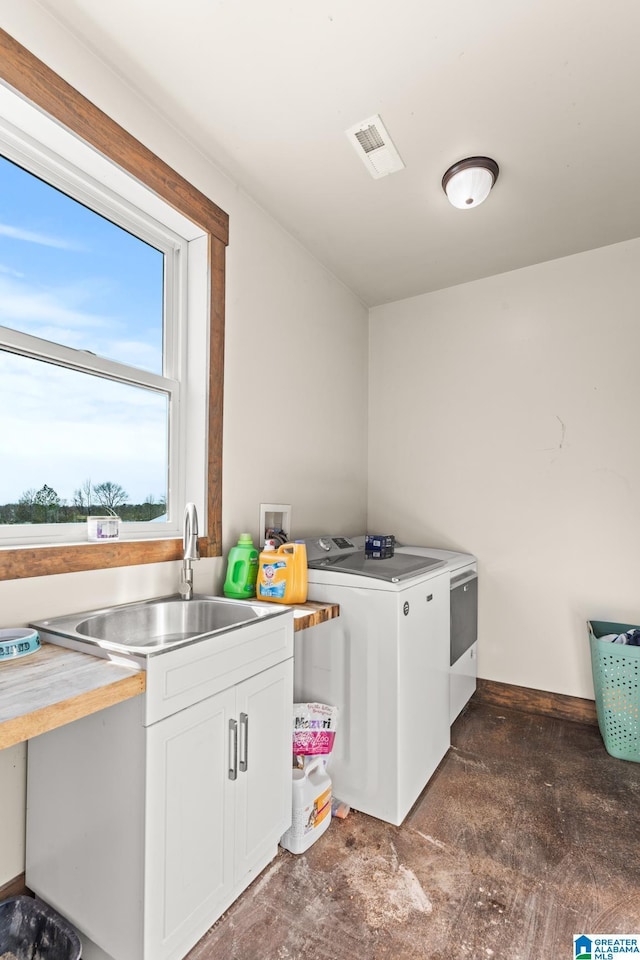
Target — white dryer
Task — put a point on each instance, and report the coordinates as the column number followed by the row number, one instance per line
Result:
column 384, row 662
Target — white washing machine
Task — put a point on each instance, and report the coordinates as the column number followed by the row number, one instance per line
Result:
column 463, row 644
column 384, row 662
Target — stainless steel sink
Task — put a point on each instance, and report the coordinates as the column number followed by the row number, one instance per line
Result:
column 153, row 626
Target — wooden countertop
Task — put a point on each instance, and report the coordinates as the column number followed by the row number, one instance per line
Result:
column 310, row 614
column 54, row 686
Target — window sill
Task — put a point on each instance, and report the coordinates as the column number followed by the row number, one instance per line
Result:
column 18, row 563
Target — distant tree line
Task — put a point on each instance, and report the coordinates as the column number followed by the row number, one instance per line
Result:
column 89, row 499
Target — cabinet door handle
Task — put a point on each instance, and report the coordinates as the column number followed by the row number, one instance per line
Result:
column 233, row 749
column 244, row 743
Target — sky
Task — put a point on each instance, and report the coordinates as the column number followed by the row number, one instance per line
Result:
column 70, row 276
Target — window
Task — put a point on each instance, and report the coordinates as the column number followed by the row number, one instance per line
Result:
column 89, row 362
column 111, row 304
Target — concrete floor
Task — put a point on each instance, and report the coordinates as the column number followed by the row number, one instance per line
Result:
column 527, row 834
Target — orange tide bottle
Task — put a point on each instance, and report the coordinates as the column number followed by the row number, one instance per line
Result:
column 282, row 573
column 299, row 563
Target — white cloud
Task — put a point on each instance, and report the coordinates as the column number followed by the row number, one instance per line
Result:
column 42, row 239
column 93, row 428
column 137, row 354
column 10, row 271
column 59, row 426
column 57, row 315
column 22, row 306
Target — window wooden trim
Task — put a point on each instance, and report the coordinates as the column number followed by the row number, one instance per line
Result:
column 31, row 78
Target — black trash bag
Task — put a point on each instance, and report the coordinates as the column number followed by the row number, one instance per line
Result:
column 31, row 930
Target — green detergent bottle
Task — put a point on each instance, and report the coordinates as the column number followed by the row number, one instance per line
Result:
column 242, row 569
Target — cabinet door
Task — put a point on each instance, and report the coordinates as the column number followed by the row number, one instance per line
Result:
column 264, row 710
column 190, row 825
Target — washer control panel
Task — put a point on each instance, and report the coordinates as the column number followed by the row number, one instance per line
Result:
column 327, row 546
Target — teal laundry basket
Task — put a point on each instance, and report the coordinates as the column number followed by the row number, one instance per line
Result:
column 616, row 680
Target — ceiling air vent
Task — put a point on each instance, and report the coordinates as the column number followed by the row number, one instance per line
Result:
column 375, row 148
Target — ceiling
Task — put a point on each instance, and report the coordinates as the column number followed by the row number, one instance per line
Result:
column 267, row 88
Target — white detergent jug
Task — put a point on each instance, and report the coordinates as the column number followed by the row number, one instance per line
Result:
column 311, row 806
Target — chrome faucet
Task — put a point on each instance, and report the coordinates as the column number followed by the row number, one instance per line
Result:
column 191, row 551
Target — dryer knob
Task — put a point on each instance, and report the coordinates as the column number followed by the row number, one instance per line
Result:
column 324, row 544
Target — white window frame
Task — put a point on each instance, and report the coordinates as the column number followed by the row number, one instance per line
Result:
column 36, row 142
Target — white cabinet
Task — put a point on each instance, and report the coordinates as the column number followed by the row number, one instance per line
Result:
column 190, row 848
column 143, row 835
column 263, row 793
column 218, row 765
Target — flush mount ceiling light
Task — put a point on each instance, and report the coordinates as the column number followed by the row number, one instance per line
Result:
column 469, row 182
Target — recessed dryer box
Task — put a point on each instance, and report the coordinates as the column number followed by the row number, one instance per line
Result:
column 275, row 516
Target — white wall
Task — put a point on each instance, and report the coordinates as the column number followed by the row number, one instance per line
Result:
column 504, row 420
column 292, row 330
